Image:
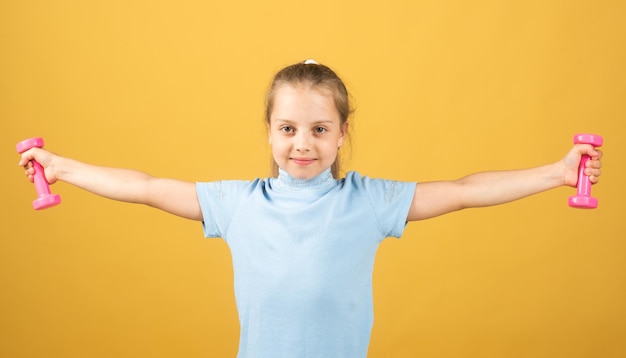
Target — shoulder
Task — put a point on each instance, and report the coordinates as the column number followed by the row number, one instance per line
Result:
column 386, row 189
column 229, row 188
column 356, row 178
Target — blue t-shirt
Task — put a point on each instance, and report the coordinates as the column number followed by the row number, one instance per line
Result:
column 303, row 254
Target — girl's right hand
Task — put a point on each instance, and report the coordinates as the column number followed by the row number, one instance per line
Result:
column 43, row 157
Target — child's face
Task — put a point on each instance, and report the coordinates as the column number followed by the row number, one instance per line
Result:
column 305, row 130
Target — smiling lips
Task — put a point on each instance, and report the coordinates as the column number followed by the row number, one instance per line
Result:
column 302, row 161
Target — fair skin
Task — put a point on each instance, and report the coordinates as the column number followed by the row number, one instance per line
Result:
column 305, row 134
column 305, row 130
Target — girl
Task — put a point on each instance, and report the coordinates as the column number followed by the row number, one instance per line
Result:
column 303, row 241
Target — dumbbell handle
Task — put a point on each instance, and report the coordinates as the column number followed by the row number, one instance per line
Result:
column 39, row 178
column 584, row 184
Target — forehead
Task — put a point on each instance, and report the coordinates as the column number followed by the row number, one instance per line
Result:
column 303, row 101
column 303, row 89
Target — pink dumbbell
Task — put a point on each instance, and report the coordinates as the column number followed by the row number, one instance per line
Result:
column 45, row 199
column 583, row 198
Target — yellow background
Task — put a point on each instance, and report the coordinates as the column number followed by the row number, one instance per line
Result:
column 442, row 89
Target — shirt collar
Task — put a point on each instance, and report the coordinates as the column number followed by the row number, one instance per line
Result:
column 323, row 181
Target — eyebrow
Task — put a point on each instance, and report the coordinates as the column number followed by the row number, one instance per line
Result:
column 288, row 121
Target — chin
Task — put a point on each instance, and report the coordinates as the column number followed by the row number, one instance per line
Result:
column 303, row 173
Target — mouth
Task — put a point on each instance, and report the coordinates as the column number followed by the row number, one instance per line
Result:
column 302, row 161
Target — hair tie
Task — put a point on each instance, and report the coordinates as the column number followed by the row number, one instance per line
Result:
column 310, row 62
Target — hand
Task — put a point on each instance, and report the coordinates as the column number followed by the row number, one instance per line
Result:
column 572, row 161
column 43, row 157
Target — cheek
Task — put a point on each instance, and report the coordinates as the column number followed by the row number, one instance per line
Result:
column 331, row 149
column 278, row 147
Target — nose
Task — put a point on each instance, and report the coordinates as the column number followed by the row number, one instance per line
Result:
column 302, row 142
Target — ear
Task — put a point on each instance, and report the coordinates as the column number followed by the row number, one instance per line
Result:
column 344, row 134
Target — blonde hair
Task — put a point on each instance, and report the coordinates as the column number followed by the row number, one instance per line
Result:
column 312, row 74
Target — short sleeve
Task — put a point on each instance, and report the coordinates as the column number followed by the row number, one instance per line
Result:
column 219, row 200
column 390, row 200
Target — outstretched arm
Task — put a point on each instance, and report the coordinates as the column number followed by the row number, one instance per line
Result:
column 492, row 188
column 174, row 196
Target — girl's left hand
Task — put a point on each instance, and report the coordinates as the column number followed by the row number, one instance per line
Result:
column 572, row 161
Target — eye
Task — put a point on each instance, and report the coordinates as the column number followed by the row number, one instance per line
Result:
column 286, row 129
column 320, row 130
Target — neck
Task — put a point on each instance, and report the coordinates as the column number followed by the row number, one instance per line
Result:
column 321, row 181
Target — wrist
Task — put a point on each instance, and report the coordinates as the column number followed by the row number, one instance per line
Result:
column 559, row 174
column 59, row 167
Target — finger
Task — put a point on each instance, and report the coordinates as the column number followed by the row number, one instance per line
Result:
column 28, row 156
column 593, row 164
column 595, row 172
column 25, row 160
column 598, row 155
column 28, row 168
column 592, row 152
